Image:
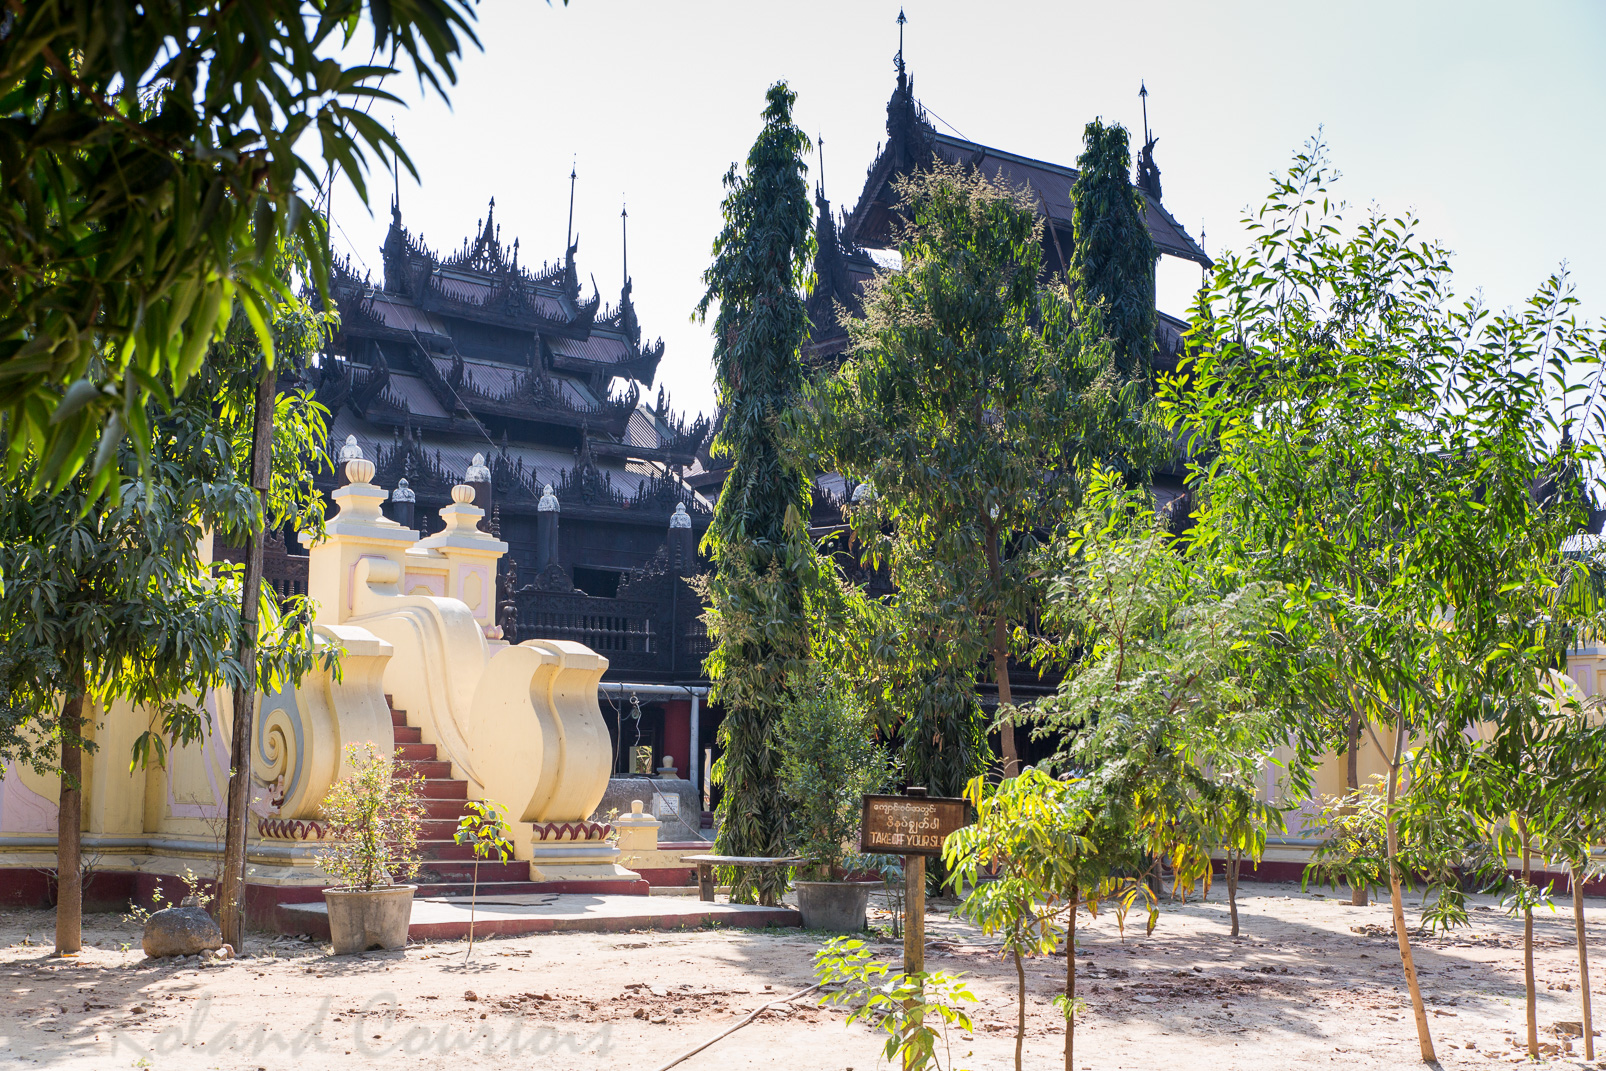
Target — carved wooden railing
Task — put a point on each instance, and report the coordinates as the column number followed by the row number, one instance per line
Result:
column 285, row 571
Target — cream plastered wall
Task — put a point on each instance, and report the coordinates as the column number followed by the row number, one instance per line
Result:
column 520, row 724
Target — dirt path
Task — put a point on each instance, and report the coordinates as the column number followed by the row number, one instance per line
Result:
column 1301, row 989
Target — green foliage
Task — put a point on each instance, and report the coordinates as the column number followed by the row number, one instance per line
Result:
column 1113, row 258
column 830, row 761
column 147, row 183
column 899, row 1005
column 971, row 402
column 117, row 604
column 766, row 568
column 484, row 828
column 1355, row 851
column 1408, row 468
column 374, row 816
column 1159, row 706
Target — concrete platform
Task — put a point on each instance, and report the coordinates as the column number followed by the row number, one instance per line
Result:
column 446, row 918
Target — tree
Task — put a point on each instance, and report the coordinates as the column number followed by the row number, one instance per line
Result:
column 1113, row 255
column 116, row 604
column 149, row 161
column 764, row 562
column 1160, row 706
column 971, row 402
column 829, row 762
column 1374, row 449
column 1051, row 853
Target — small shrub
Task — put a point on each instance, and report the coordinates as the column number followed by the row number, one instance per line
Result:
column 830, row 761
column 1355, row 851
column 374, row 816
column 902, row 1006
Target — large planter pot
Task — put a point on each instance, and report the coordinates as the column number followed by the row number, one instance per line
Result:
column 836, row 906
column 365, row 919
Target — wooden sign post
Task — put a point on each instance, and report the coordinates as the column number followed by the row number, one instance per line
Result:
column 914, row 826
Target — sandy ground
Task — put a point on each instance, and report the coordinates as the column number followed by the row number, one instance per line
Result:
column 1312, row 983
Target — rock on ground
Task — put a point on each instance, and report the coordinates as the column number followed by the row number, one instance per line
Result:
column 181, row 931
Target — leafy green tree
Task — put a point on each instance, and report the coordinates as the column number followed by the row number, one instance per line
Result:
column 149, row 161
column 971, row 402
column 765, row 565
column 900, row 1005
column 1376, row 448
column 1113, row 256
column 116, row 604
column 830, row 761
column 1159, row 707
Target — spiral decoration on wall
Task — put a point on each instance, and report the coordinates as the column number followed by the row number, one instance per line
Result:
column 281, row 750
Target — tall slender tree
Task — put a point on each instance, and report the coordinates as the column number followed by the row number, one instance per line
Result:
column 972, row 402
column 764, row 561
column 1113, row 256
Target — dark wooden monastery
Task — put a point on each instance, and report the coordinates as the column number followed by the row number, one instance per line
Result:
column 472, row 367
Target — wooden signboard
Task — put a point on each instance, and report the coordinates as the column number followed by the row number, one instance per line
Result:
column 909, row 825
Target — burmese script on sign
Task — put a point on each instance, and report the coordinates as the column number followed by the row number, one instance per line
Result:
column 904, row 825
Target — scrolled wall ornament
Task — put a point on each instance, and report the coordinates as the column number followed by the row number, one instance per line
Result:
column 290, row 829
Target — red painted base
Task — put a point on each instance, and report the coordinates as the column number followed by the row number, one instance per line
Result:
column 1283, row 871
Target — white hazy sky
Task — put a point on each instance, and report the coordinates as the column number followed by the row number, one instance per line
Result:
column 1486, row 118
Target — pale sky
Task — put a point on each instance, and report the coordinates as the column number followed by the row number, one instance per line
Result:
column 1486, row 118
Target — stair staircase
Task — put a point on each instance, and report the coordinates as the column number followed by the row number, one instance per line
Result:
column 446, row 867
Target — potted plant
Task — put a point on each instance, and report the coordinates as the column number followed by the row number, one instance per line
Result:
column 830, row 761
column 373, row 816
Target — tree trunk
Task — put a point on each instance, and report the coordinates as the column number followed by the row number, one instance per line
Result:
column 1579, row 869
column 1232, row 888
column 231, row 890
column 1397, row 901
column 69, row 832
column 1358, row 894
column 473, row 896
column 1006, row 728
column 1020, row 1006
column 1070, row 988
column 1532, row 1009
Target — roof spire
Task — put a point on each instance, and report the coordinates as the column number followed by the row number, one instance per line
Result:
column 624, row 235
column 819, row 144
column 568, row 237
column 901, row 21
column 1143, row 95
column 1148, row 170
column 395, row 172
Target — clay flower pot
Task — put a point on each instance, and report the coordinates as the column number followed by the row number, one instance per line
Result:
column 835, row 906
column 365, row 919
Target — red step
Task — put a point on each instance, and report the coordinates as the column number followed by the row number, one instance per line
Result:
column 432, row 769
column 448, row 811
column 398, row 717
column 416, row 752
column 406, row 734
column 461, row 871
column 440, row 788
column 436, row 829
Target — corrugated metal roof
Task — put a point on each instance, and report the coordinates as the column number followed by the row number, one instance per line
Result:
column 398, row 314
column 414, row 395
column 475, row 289
column 599, row 349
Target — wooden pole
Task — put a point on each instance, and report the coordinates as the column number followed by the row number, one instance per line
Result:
column 914, row 914
column 914, row 924
column 231, row 895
